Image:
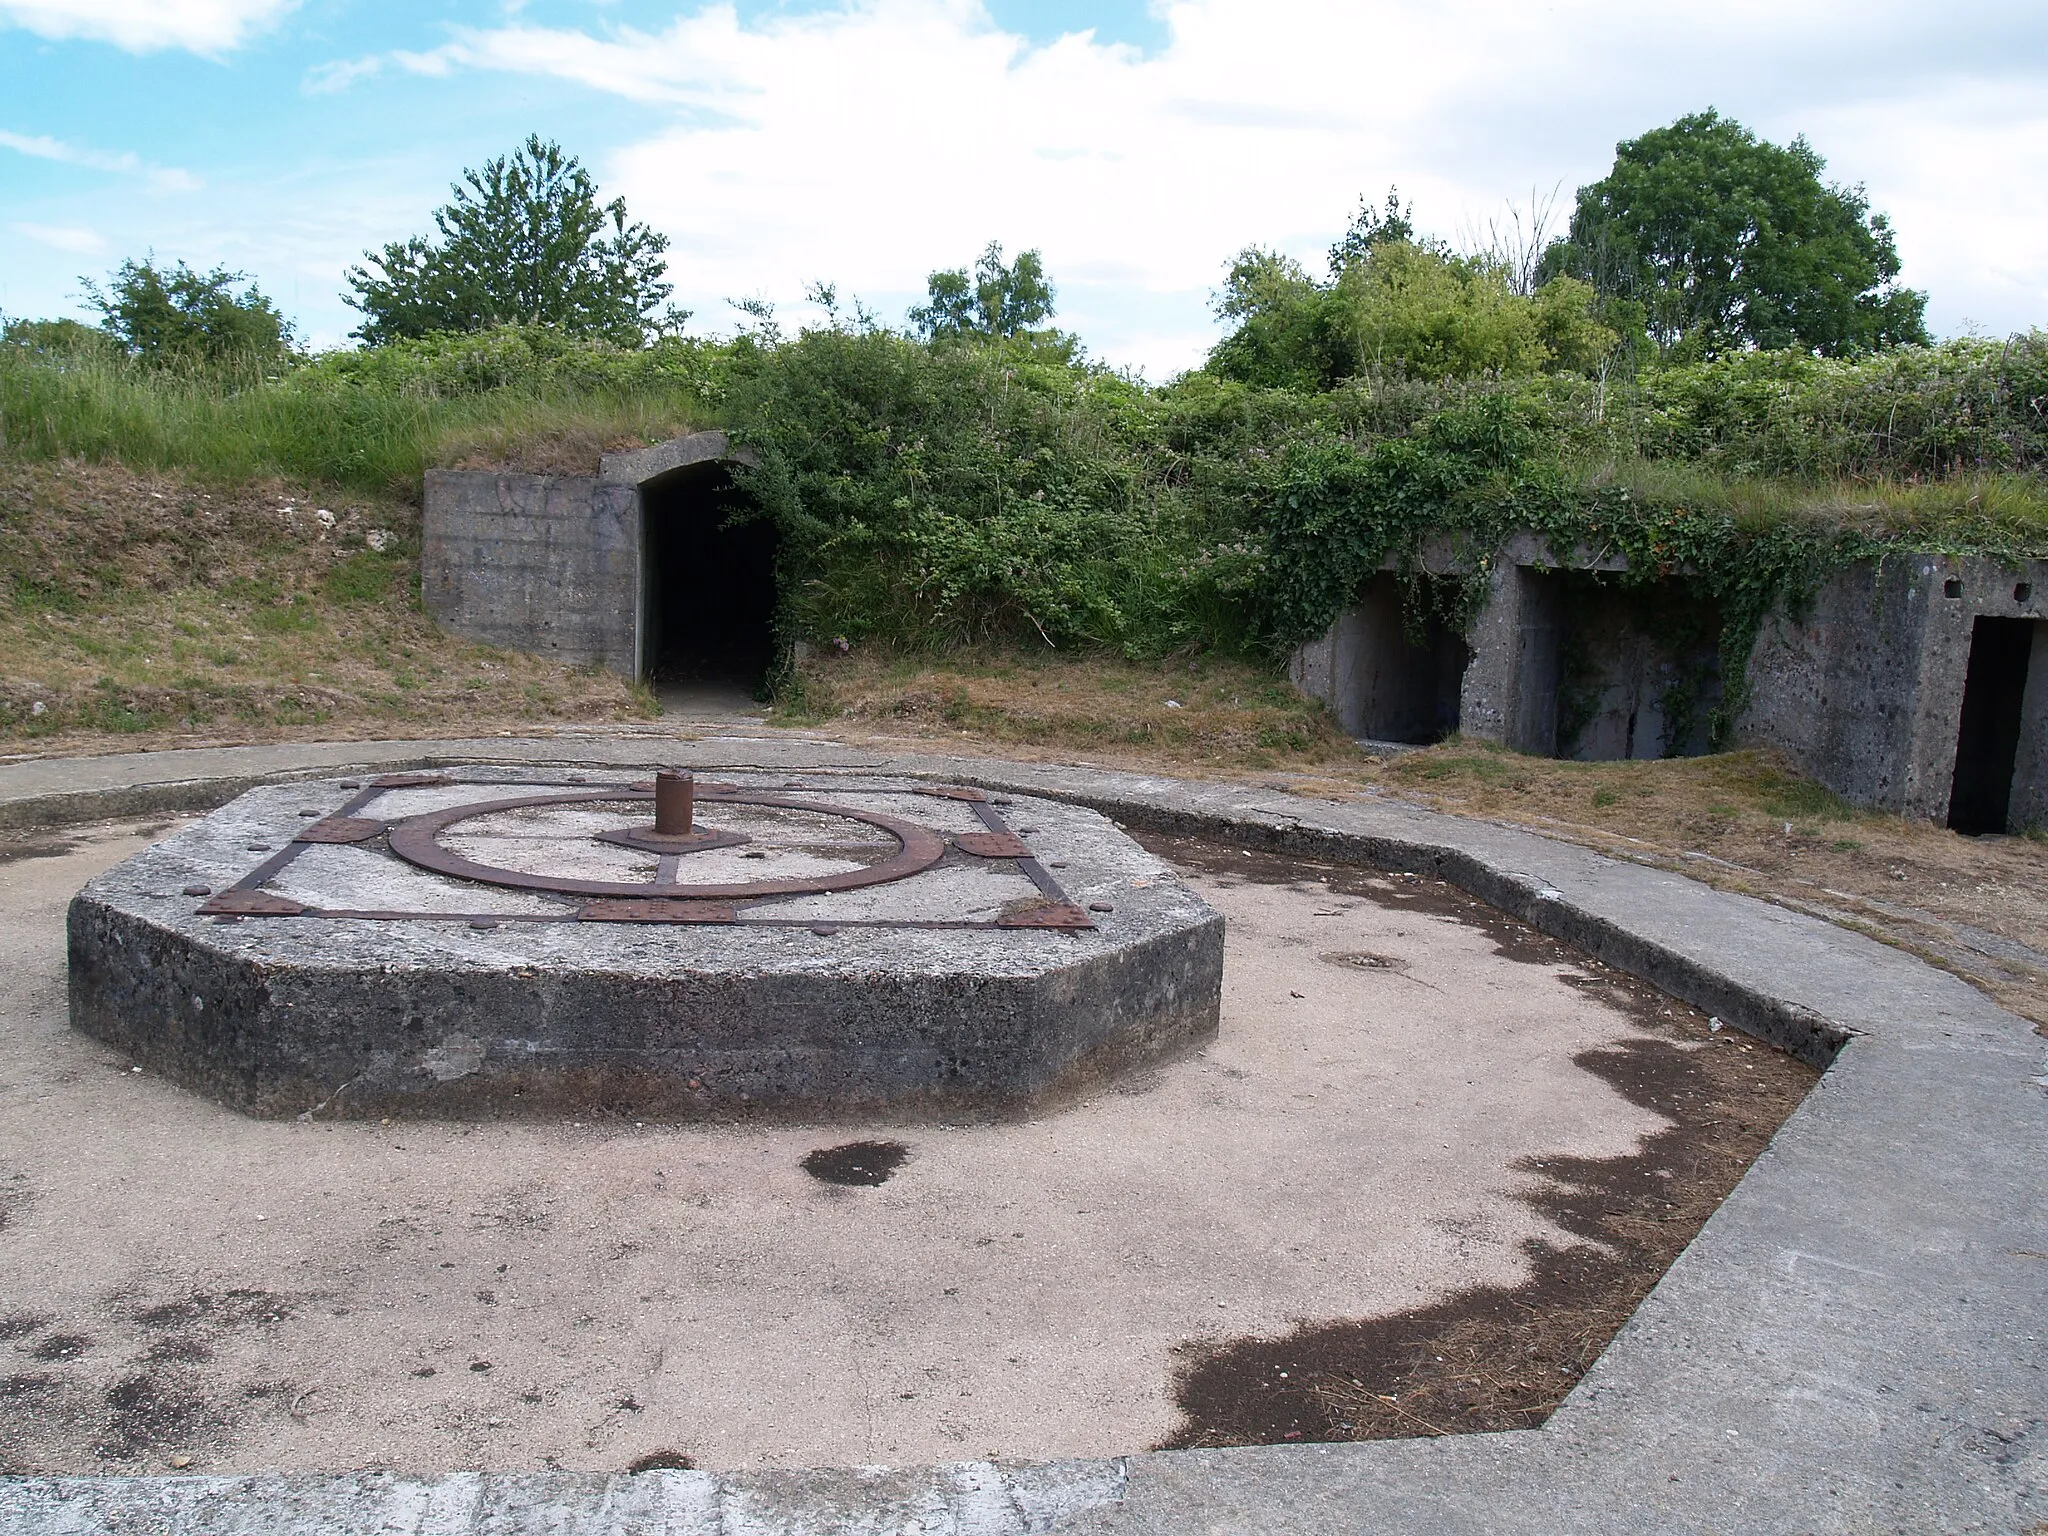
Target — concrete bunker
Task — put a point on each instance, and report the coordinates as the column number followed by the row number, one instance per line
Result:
column 1392, row 667
column 1629, row 671
column 1916, row 684
column 651, row 568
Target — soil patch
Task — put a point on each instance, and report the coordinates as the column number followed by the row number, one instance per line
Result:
column 1498, row 1357
column 856, row 1163
column 662, row 1461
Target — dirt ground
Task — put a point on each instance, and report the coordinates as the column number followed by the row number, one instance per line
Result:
column 1494, row 1357
column 1418, row 1114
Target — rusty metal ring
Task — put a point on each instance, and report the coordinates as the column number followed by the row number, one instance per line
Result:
column 417, row 841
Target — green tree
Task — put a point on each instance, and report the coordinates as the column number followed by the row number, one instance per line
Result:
column 525, row 241
column 1372, row 227
column 1285, row 333
column 178, row 317
column 1728, row 242
column 995, row 300
column 1421, row 312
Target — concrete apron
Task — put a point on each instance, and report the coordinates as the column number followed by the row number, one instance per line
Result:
column 1853, row 1343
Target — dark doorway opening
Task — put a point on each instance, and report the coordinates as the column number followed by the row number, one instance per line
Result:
column 1638, row 670
column 1410, row 678
column 708, row 600
column 1994, row 692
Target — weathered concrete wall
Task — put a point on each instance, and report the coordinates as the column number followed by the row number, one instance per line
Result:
column 2029, row 806
column 645, row 464
column 1510, row 688
column 553, row 564
column 541, row 563
column 1864, row 688
column 1638, row 668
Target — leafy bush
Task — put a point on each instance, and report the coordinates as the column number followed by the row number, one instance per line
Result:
column 1915, row 412
column 176, row 317
column 1402, row 310
column 529, row 358
column 934, row 494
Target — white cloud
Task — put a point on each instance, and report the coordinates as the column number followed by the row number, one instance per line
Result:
column 340, row 74
column 144, row 26
column 42, row 147
column 1966, row 183
column 79, row 242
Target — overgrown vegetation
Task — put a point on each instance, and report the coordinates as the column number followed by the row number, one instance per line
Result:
column 971, row 489
column 975, row 479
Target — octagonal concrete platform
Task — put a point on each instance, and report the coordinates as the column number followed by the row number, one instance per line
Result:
column 1008, row 965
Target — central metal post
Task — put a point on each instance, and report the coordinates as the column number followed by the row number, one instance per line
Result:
column 675, row 802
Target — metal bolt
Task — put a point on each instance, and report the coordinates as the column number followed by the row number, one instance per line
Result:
column 675, row 802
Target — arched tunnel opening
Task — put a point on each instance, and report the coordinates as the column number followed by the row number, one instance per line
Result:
column 707, row 610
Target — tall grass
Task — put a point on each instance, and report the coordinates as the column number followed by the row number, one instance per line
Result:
column 1994, row 511
column 311, row 422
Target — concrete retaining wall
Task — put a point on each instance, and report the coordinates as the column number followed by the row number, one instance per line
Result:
column 552, row 564
column 541, row 563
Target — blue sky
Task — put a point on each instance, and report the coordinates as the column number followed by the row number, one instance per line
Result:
column 1138, row 145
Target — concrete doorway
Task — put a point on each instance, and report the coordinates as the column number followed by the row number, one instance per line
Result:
column 1638, row 668
column 1987, row 744
column 1392, row 665
column 707, row 598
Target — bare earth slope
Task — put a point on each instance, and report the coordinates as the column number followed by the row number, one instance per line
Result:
column 142, row 609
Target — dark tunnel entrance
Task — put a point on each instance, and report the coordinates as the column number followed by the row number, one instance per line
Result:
column 708, row 584
column 1994, row 692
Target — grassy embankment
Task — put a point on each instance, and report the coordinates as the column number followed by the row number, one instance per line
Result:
column 141, row 609
column 188, row 559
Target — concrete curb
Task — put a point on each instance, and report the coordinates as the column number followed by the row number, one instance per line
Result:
column 1853, row 1344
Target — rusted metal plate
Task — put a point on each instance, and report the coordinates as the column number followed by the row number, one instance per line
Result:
column 409, row 780
column 247, row 903
column 992, row 845
column 647, row 840
column 1051, row 915
column 656, row 911
column 340, row 829
column 416, row 840
column 951, row 792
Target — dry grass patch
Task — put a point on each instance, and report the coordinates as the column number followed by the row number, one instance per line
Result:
column 1203, row 713
column 1746, row 821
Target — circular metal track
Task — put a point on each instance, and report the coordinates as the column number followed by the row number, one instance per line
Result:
column 417, row 841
